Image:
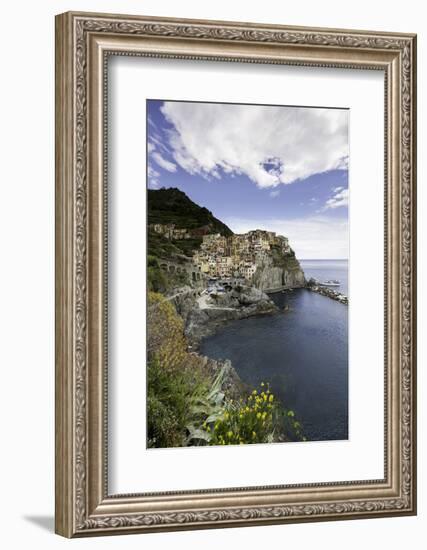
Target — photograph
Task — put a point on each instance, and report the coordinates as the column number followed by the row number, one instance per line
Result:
column 247, row 273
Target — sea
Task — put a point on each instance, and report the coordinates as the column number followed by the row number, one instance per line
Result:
column 326, row 270
column 302, row 351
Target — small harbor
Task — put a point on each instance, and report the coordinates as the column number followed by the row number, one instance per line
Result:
column 325, row 289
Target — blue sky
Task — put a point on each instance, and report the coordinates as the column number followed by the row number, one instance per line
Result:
column 283, row 169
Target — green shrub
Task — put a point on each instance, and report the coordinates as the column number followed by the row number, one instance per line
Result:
column 177, row 403
column 258, row 419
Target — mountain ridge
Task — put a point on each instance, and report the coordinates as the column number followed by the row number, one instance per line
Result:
column 173, row 206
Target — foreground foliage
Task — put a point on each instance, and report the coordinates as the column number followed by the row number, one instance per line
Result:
column 186, row 404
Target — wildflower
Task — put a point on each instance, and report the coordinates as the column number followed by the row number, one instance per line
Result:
column 262, row 384
column 258, row 415
column 254, row 392
column 253, row 435
column 230, row 435
column 271, row 398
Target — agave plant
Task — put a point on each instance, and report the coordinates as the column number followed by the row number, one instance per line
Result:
column 205, row 409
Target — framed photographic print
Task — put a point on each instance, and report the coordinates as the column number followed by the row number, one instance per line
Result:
column 235, row 274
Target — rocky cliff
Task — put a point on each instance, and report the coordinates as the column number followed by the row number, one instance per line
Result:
column 279, row 271
column 240, row 303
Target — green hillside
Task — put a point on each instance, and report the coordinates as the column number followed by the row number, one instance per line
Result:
column 173, row 206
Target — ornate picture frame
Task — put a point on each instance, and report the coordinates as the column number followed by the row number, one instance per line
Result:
column 84, row 42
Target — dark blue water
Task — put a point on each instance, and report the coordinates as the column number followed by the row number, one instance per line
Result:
column 302, row 353
column 324, row 270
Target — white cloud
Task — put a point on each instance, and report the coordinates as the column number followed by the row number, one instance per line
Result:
column 339, row 199
column 153, row 176
column 271, row 145
column 274, row 193
column 318, row 237
column 162, row 162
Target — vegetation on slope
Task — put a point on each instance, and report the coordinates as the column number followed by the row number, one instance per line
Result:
column 173, row 206
column 187, row 405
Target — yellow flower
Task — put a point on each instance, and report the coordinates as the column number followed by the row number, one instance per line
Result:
column 254, row 392
column 262, row 384
column 265, row 397
column 230, row 434
column 271, row 398
column 253, row 435
column 258, row 415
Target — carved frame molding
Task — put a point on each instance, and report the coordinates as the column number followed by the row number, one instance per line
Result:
column 83, row 42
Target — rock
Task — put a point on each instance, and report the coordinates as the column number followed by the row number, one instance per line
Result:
column 232, row 384
column 225, row 299
column 270, row 277
column 240, row 303
column 247, row 295
column 328, row 293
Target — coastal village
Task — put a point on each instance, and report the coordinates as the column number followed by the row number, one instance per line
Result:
column 237, row 257
column 234, row 256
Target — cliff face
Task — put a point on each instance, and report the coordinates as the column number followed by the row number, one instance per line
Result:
column 240, row 303
column 279, row 271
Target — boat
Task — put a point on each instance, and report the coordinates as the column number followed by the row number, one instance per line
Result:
column 330, row 283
